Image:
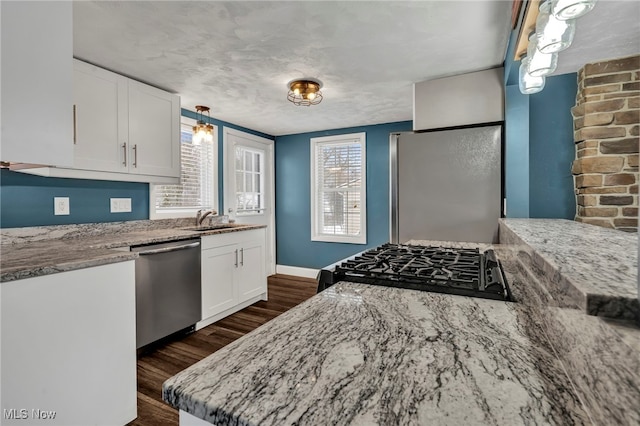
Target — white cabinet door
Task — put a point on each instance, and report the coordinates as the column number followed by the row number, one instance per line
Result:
column 154, row 131
column 100, row 136
column 233, row 271
column 36, row 101
column 69, row 346
column 219, row 289
column 252, row 280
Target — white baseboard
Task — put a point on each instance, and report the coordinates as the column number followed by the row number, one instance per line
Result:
column 297, row 271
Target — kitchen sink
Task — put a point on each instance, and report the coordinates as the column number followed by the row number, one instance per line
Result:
column 210, row 227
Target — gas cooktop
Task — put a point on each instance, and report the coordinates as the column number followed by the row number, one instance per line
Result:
column 466, row 272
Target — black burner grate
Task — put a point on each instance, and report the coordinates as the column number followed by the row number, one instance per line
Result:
column 440, row 269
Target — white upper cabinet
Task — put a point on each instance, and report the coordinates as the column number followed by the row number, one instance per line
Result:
column 154, row 131
column 100, row 130
column 37, row 51
column 122, row 130
column 124, row 126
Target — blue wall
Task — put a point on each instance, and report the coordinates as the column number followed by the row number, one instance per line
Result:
column 293, row 186
column 516, row 152
column 27, row 200
column 551, row 149
column 539, row 145
column 220, row 124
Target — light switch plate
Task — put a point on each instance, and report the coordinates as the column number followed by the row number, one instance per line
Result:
column 60, row 206
column 120, row 205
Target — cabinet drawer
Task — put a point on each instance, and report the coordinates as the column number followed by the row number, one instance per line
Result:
column 220, row 240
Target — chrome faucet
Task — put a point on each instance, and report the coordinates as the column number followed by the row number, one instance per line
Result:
column 201, row 217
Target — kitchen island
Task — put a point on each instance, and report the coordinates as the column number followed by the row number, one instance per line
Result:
column 362, row 354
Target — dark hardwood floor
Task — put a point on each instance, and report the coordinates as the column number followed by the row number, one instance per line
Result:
column 175, row 354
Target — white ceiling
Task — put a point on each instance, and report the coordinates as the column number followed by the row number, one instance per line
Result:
column 237, row 56
column 611, row 30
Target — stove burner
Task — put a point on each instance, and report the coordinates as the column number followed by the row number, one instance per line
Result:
column 446, row 270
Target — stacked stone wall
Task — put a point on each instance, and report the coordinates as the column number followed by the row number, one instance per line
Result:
column 607, row 124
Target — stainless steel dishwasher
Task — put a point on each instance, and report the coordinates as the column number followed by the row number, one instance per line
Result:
column 168, row 295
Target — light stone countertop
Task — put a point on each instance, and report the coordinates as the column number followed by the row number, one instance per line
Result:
column 357, row 354
column 592, row 268
column 36, row 251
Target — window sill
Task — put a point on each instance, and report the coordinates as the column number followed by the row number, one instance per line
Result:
column 338, row 239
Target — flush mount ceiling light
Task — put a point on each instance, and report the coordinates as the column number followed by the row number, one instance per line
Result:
column 305, row 92
column 202, row 131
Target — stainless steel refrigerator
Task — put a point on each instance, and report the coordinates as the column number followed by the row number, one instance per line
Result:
column 446, row 185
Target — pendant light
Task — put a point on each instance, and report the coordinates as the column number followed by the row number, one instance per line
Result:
column 553, row 35
column 202, row 131
column 529, row 84
column 540, row 64
column 564, row 10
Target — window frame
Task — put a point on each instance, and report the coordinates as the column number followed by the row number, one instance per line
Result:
column 186, row 122
column 341, row 139
column 261, row 210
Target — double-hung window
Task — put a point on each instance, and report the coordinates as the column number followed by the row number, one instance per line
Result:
column 338, row 188
column 198, row 179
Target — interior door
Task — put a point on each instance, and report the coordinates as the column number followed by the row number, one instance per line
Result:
column 447, row 185
column 249, row 186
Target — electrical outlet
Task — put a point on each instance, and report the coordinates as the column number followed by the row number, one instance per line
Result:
column 60, row 206
column 120, row 205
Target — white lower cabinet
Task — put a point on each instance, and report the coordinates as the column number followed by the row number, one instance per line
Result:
column 69, row 347
column 233, row 273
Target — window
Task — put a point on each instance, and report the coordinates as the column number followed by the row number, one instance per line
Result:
column 197, row 188
column 338, row 188
column 249, row 181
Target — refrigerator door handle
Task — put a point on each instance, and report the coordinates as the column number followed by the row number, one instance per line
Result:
column 393, row 190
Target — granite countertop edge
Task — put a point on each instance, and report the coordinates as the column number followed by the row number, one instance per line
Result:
column 591, row 279
column 39, row 258
column 414, row 322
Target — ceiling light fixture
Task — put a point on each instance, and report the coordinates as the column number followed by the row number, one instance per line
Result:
column 554, row 31
column 553, row 35
column 305, row 92
column 202, row 131
column 540, row 64
column 571, row 9
column 529, row 84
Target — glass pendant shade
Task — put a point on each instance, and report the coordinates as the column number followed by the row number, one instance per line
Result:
column 570, row 9
column 540, row 64
column 529, row 84
column 553, row 35
column 202, row 131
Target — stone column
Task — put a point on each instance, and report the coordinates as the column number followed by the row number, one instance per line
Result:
column 607, row 122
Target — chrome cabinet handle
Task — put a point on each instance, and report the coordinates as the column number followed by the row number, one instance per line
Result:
column 135, row 155
column 236, row 264
column 241, row 257
column 75, row 124
column 124, row 148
